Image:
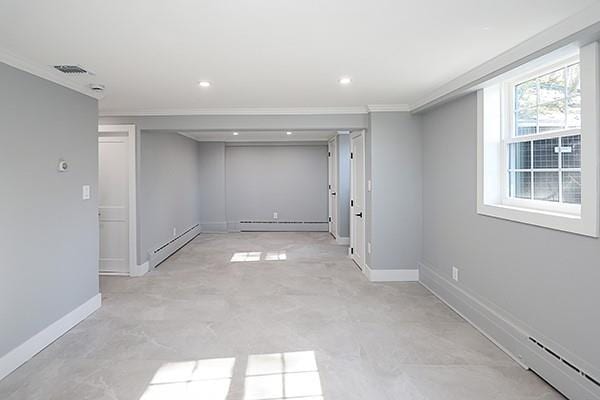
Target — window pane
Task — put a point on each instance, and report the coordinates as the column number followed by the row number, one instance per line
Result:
column 571, row 187
column 571, row 151
column 544, row 153
column 552, row 116
column 552, row 86
column 574, row 112
column 526, row 122
column 526, row 95
column 545, row 186
column 573, row 81
column 520, row 155
column 520, row 185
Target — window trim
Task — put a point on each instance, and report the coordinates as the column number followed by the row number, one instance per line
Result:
column 492, row 179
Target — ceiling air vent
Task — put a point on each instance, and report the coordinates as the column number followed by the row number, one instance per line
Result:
column 71, row 69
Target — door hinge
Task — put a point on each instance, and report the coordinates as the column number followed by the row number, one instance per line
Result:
column 351, row 203
column 351, row 250
column 329, row 186
column 329, row 219
column 328, row 154
column 351, row 155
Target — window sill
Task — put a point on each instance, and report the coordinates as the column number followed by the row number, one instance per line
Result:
column 547, row 219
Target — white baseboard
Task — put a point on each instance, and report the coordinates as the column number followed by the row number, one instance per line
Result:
column 141, row 270
column 21, row 354
column 111, row 273
column 343, row 241
column 509, row 335
column 391, row 275
column 166, row 250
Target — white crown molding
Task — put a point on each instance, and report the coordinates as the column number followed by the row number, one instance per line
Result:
column 44, row 72
column 388, row 108
column 235, row 111
column 581, row 28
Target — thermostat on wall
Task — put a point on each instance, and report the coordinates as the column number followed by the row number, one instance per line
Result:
column 63, row 166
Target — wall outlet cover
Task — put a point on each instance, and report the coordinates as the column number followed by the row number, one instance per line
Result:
column 455, row 273
column 86, row 192
column 369, row 247
column 275, row 215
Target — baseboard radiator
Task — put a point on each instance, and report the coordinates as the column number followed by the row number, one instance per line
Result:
column 578, row 370
column 165, row 250
column 250, row 226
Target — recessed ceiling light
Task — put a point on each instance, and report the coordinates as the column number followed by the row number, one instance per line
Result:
column 204, row 84
column 235, row 133
column 345, row 80
column 288, row 133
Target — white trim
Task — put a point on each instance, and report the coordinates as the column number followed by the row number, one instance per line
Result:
column 134, row 268
column 45, row 72
column 388, row 108
column 492, row 199
column 21, row 354
column 345, row 241
column 140, row 270
column 582, row 27
column 111, row 273
column 391, row 275
column 510, row 335
column 236, row 111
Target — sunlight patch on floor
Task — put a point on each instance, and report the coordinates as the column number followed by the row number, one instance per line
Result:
column 249, row 256
column 204, row 379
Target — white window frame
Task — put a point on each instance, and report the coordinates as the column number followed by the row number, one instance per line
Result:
column 495, row 131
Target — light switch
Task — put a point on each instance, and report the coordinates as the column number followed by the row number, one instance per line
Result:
column 85, row 192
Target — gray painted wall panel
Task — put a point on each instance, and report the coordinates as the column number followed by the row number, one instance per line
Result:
column 343, row 190
column 395, row 204
column 48, row 234
column 168, row 191
column 213, row 213
column 290, row 180
column 545, row 278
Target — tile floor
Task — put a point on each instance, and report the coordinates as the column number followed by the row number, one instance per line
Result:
column 264, row 316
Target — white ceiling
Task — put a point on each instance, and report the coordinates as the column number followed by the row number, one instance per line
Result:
column 151, row 54
column 259, row 136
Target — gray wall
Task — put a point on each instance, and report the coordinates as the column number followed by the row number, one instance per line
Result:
column 394, row 205
column 48, row 234
column 343, row 189
column 213, row 212
column 288, row 179
column 545, row 279
column 168, row 190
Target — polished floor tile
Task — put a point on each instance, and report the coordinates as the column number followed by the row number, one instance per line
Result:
column 269, row 316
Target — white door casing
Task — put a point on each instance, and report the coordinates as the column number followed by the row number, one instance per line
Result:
column 358, row 199
column 333, row 187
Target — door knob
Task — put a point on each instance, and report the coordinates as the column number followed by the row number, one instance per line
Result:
column 333, row 193
column 359, row 214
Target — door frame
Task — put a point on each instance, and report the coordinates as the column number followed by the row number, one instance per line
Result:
column 333, row 182
column 363, row 193
column 134, row 270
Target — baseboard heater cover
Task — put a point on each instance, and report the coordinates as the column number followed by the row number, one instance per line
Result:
column 163, row 252
column 281, row 226
column 579, row 371
column 283, row 222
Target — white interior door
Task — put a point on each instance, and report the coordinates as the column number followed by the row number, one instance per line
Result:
column 357, row 204
column 113, row 187
column 333, row 205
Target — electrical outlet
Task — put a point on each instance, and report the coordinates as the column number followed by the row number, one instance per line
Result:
column 275, row 215
column 455, row 273
column 174, row 232
column 369, row 247
column 369, row 185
